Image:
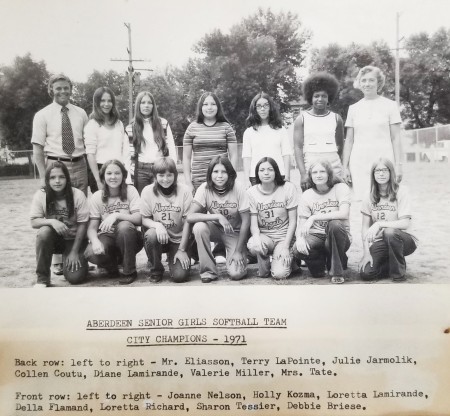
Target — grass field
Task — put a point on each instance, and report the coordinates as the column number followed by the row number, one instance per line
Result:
column 428, row 183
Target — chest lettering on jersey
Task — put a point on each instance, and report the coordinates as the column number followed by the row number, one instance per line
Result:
column 164, row 208
column 322, row 206
column 383, row 207
column 274, row 204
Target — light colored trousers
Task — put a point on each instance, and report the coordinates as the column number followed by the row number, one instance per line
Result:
column 205, row 233
column 277, row 269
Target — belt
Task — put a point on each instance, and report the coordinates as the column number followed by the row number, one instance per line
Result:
column 66, row 159
column 144, row 164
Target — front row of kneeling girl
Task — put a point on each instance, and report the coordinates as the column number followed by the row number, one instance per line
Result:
column 167, row 219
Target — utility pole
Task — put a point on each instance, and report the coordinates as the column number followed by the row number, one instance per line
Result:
column 397, row 59
column 131, row 72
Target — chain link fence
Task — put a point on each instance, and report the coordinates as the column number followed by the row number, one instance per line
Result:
column 17, row 163
column 431, row 144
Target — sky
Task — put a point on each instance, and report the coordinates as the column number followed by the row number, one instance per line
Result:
column 79, row 36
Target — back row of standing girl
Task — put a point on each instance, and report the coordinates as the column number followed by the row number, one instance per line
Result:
column 373, row 131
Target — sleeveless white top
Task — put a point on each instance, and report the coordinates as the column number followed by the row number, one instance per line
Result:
column 319, row 132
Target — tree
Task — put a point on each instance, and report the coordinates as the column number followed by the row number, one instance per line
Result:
column 345, row 62
column 425, row 79
column 23, row 91
column 261, row 53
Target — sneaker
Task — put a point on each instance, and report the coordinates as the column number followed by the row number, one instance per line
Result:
column 208, row 278
column 251, row 259
column 39, row 285
column 58, row 269
column 127, row 279
column 155, row 278
column 220, row 260
column 399, row 278
column 337, row 280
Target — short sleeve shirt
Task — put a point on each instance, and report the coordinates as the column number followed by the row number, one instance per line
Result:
column 47, row 126
column 386, row 210
column 59, row 211
column 207, row 142
column 229, row 205
column 313, row 202
column 272, row 210
column 101, row 210
column 169, row 210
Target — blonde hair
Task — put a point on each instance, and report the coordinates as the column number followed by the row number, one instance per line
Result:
column 381, row 79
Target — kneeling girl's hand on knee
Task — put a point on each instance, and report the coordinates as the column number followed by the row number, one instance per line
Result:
column 373, row 232
column 302, row 246
column 227, row 227
column 161, row 233
column 73, row 262
column 97, row 247
column 367, row 259
column 285, row 256
column 108, row 223
column 239, row 259
column 183, row 258
column 59, row 227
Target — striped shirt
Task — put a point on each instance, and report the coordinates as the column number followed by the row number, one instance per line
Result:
column 207, row 142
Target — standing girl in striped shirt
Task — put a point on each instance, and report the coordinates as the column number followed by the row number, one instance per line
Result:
column 209, row 136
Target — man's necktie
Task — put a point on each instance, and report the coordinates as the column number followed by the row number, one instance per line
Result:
column 68, row 143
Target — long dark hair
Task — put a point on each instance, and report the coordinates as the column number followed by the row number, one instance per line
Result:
column 392, row 185
column 332, row 178
column 220, row 116
column 163, row 165
column 138, row 126
column 123, row 185
column 50, row 194
column 254, row 120
column 278, row 177
column 230, row 172
column 97, row 113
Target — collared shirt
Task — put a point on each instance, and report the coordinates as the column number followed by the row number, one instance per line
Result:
column 47, row 129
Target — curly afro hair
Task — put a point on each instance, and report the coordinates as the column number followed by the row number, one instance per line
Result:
column 322, row 81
